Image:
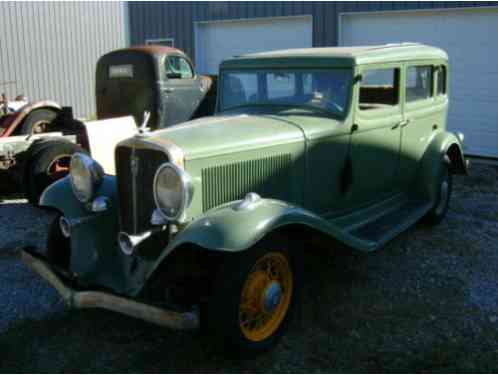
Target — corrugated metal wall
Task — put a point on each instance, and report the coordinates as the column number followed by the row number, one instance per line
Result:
column 175, row 20
column 50, row 48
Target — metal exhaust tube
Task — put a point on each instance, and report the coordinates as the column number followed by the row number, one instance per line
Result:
column 90, row 299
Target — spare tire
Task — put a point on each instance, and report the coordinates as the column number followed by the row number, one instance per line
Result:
column 45, row 164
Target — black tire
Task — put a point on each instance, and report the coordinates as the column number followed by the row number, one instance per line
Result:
column 40, row 169
column 38, row 121
column 440, row 209
column 221, row 319
column 58, row 246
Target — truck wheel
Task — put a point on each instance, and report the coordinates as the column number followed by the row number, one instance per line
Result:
column 438, row 212
column 58, row 246
column 252, row 299
column 38, row 121
column 48, row 163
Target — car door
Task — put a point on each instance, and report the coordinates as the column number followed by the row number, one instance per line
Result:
column 424, row 113
column 182, row 91
column 376, row 134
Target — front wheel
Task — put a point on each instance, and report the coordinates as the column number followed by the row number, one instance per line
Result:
column 445, row 185
column 253, row 299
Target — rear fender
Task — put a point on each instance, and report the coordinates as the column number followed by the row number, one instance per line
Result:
column 19, row 116
column 445, row 149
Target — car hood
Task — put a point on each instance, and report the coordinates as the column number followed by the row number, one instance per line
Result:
column 222, row 134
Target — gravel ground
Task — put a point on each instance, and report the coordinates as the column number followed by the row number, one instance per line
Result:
column 427, row 302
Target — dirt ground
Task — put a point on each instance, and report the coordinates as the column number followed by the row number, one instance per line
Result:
column 427, row 302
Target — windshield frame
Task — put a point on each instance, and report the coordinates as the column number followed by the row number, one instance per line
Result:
column 344, row 114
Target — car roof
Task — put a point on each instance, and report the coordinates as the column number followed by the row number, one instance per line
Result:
column 340, row 56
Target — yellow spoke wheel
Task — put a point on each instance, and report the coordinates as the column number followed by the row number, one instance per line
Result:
column 266, row 296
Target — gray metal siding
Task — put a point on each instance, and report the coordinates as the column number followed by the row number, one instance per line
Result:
column 50, row 49
column 176, row 20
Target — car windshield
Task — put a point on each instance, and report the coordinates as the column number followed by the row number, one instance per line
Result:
column 327, row 90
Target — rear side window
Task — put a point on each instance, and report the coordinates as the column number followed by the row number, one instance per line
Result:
column 441, row 80
column 179, row 65
column 379, row 89
column 418, row 83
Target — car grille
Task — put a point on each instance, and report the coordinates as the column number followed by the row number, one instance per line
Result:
column 136, row 197
column 270, row 177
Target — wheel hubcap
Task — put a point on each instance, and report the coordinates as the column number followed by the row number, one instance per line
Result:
column 272, row 297
column 40, row 127
column 59, row 167
column 266, row 297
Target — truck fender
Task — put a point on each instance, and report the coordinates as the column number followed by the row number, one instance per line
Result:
column 19, row 116
column 445, row 148
column 238, row 225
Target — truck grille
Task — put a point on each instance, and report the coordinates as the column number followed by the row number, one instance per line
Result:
column 136, row 197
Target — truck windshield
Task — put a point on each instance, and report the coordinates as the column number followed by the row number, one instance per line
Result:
column 327, row 90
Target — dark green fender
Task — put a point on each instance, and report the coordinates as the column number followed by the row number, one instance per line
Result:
column 444, row 148
column 227, row 228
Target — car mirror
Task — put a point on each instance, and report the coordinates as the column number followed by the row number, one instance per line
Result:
column 174, row 75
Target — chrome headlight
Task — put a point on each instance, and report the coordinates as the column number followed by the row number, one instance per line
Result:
column 173, row 191
column 85, row 175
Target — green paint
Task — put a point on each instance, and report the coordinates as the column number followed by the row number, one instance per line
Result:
column 333, row 175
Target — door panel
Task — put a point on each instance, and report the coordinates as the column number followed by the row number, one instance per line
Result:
column 375, row 142
column 181, row 98
column 423, row 115
column 182, row 91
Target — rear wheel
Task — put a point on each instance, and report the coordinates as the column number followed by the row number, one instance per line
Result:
column 253, row 299
column 445, row 185
column 38, row 121
column 46, row 164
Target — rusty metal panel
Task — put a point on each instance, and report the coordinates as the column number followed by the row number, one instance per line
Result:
column 50, row 48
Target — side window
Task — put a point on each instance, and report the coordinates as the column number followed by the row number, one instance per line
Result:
column 441, row 80
column 178, row 65
column 379, row 89
column 418, row 83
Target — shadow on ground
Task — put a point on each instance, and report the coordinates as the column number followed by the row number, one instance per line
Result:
column 425, row 303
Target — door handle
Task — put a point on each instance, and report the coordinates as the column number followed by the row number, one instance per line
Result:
column 404, row 123
column 168, row 90
column 395, row 126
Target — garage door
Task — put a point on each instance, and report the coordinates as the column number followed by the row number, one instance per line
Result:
column 220, row 40
column 470, row 39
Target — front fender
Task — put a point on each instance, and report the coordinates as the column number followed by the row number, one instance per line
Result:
column 60, row 196
column 230, row 228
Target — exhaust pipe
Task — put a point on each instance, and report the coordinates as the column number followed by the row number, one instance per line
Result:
column 92, row 299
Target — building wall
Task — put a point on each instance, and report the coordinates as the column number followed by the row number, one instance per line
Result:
column 49, row 49
column 176, row 20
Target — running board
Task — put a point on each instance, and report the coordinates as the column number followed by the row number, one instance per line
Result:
column 377, row 224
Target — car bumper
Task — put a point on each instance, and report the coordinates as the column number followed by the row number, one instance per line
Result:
column 96, row 299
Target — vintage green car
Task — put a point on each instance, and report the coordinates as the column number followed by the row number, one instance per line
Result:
column 205, row 223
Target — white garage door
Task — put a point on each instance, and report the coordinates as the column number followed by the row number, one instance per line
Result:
column 470, row 39
column 220, row 40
